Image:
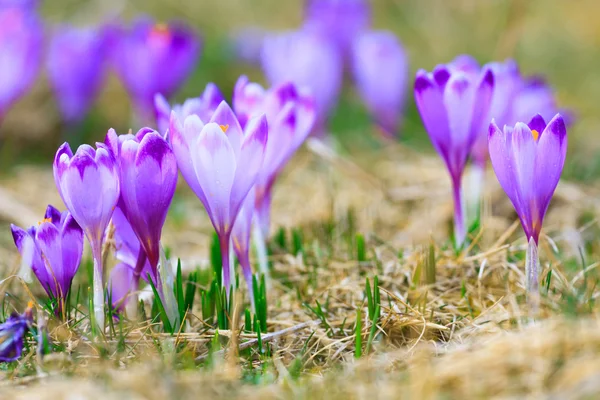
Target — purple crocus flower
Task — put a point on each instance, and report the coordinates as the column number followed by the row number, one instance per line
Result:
column 380, row 70
column 533, row 97
column 220, row 162
column 12, row 335
column 339, row 20
column 309, row 61
column 121, row 283
column 528, row 161
column 154, row 58
column 203, row 106
column 54, row 249
column 21, row 42
column 88, row 183
column 454, row 104
column 76, row 69
column 241, row 240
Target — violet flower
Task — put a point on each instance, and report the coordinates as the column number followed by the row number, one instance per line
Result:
column 528, row 161
column 309, row 61
column 338, row 20
column 290, row 116
column 534, row 97
column 154, row 58
column 21, row 43
column 121, row 284
column 76, row 69
column 53, row 249
column 203, row 106
column 12, row 335
column 220, row 163
column 380, row 70
column 88, row 183
column 454, row 105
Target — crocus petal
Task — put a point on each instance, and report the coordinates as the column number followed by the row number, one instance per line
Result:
column 225, row 117
column 52, row 214
column 72, row 250
column 537, row 124
column 28, row 249
column 48, row 240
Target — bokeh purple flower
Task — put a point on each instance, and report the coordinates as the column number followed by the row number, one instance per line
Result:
column 121, row 284
column 309, row 61
column 21, row 45
column 88, row 183
column 220, row 162
column 12, row 335
column 380, row 70
column 53, row 249
column 203, row 106
column 153, row 58
column 76, row 69
column 454, row 104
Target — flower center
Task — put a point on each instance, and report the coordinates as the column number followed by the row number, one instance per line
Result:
column 536, row 134
column 224, row 128
column 45, row 220
column 160, row 33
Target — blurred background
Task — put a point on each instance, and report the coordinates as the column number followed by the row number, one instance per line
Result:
column 557, row 39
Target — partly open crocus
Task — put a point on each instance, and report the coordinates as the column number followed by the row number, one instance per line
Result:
column 380, row 71
column 454, row 104
column 53, row 249
column 309, row 61
column 88, row 183
column 21, row 43
column 154, row 58
column 203, row 106
column 290, row 115
column 148, row 177
column 339, row 20
column 528, row 161
column 220, row 162
column 76, row 61
column 12, row 334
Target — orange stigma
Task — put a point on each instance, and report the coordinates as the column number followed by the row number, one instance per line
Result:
column 30, row 304
column 536, row 134
column 45, row 220
column 224, row 128
column 160, row 32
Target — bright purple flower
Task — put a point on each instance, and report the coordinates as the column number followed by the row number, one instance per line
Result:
column 290, row 116
column 154, row 58
column 528, row 161
column 241, row 239
column 454, row 104
column 308, row 61
column 55, row 248
column 88, row 183
column 76, row 69
column 12, row 335
column 21, row 43
column 203, row 106
column 380, row 70
column 339, row 20
column 148, row 177
column 220, row 163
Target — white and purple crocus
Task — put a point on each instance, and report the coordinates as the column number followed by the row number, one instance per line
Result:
column 220, row 162
column 53, row 248
column 153, row 58
column 88, row 183
column 528, row 160
column 454, row 105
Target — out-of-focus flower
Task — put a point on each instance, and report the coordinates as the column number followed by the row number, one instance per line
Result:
column 290, row 115
column 57, row 247
column 121, row 283
column 21, row 43
column 534, row 96
column 528, row 161
column 241, row 240
column 339, row 20
column 128, row 249
column 203, row 106
column 154, row 58
column 310, row 62
column 454, row 105
column 220, row 162
column 76, row 61
column 88, row 183
column 247, row 44
column 148, row 176
column 380, row 69
column 12, row 335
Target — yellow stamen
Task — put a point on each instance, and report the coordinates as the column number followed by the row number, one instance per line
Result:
column 30, row 304
column 160, row 31
column 536, row 134
column 45, row 220
column 224, row 128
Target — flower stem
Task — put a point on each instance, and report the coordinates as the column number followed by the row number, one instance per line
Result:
column 226, row 260
column 261, row 249
column 460, row 232
column 476, row 180
column 532, row 264
column 167, row 281
column 247, row 271
column 98, row 288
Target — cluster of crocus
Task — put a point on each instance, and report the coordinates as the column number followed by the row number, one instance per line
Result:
column 164, row 55
column 53, row 249
column 21, row 38
column 335, row 32
column 528, row 160
column 12, row 334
